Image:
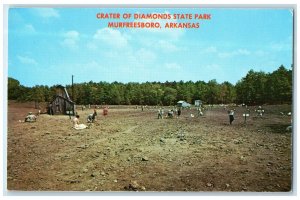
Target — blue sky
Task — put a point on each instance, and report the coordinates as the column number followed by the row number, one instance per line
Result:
column 48, row 45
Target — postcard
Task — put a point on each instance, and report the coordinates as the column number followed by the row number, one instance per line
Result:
column 150, row 99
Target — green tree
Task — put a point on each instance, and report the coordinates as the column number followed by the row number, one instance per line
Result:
column 38, row 95
column 251, row 89
column 227, row 92
column 212, row 92
column 169, row 96
column 279, row 86
column 14, row 89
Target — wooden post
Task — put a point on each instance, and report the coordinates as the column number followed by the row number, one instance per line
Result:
column 246, row 114
column 72, row 89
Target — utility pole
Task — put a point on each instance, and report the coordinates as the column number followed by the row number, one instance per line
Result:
column 73, row 95
column 72, row 89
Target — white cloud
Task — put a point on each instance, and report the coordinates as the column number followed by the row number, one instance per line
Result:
column 213, row 67
column 27, row 60
column 72, row 34
column 145, row 55
column 239, row 52
column 172, row 66
column 243, row 52
column 111, row 37
column 91, row 46
column 210, row 49
column 71, row 39
column 260, row 53
column 281, row 46
column 166, row 46
column 47, row 12
column 29, row 28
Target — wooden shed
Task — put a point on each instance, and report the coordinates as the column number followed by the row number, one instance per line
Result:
column 61, row 103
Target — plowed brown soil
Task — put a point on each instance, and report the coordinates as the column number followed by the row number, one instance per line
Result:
column 130, row 149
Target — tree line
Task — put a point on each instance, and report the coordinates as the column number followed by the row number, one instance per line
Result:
column 253, row 89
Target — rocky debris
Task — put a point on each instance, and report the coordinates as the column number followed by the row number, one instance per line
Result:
column 209, row 184
column 244, row 189
column 102, row 173
column 243, row 159
column 72, row 181
column 181, row 136
column 145, row 158
column 82, row 146
column 115, row 181
column 134, row 186
column 85, row 170
column 162, row 140
column 95, row 156
column 198, row 141
column 143, row 188
column 237, row 141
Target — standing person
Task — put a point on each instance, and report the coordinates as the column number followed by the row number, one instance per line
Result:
column 159, row 114
column 50, row 109
column 105, row 111
column 179, row 112
column 200, row 113
column 231, row 116
column 94, row 114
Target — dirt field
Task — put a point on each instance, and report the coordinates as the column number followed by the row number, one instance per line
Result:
column 132, row 150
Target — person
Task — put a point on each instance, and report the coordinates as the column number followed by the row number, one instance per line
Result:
column 50, row 109
column 170, row 114
column 179, row 112
column 200, row 113
column 92, row 117
column 260, row 111
column 105, row 111
column 231, row 116
column 160, row 115
column 290, row 128
column 30, row 117
column 77, row 125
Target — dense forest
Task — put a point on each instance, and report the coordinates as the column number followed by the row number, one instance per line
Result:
column 253, row 89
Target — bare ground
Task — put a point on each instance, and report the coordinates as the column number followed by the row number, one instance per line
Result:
column 133, row 150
